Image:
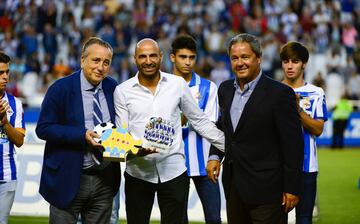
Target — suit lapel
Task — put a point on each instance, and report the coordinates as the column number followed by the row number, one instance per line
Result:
column 258, row 95
column 76, row 98
column 109, row 99
column 228, row 98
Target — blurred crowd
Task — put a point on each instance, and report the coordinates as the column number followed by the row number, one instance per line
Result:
column 44, row 37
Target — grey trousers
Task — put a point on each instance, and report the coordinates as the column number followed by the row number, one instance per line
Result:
column 7, row 195
column 93, row 201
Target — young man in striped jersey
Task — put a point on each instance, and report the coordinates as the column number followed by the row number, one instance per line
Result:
column 313, row 114
column 196, row 148
column 12, row 132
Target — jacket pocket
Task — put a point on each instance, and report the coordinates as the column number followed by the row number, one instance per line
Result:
column 53, row 163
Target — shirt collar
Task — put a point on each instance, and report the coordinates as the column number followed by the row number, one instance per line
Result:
column 137, row 83
column 86, row 85
column 250, row 85
column 193, row 79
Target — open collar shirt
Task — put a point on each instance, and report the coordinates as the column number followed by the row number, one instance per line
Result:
column 240, row 99
column 136, row 104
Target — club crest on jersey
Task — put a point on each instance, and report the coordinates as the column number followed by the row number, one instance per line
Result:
column 305, row 103
column 10, row 112
column 198, row 95
column 3, row 136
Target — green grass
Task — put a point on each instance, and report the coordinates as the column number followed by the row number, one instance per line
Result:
column 338, row 193
column 43, row 220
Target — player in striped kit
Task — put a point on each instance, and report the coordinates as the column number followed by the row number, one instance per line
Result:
column 12, row 132
column 196, row 148
column 313, row 114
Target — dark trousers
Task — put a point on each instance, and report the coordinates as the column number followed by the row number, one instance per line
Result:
column 209, row 194
column 304, row 209
column 239, row 212
column 93, row 201
column 172, row 199
column 339, row 127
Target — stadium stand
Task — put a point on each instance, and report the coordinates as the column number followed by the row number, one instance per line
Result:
column 44, row 37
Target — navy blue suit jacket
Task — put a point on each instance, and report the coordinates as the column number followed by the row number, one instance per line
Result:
column 62, row 125
column 264, row 155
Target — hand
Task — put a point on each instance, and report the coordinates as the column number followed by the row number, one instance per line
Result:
column 297, row 101
column 144, row 151
column 289, row 201
column 4, row 107
column 89, row 137
column 213, row 170
column 297, row 98
column 184, row 120
column 141, row 153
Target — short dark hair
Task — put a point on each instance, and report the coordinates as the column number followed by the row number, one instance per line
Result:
column 4, row 58
column 294, row 50
column 183, row 42
column 92, row 41
column 247, row 38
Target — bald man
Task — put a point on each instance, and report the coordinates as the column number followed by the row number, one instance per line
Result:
column 153, row 93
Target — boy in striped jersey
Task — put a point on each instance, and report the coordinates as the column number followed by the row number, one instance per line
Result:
column 12, row 132
column 313, row 114
column 196, row 148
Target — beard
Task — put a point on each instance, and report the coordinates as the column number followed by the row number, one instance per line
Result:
column 149, row 70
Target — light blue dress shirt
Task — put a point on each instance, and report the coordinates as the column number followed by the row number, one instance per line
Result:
column 87, row 97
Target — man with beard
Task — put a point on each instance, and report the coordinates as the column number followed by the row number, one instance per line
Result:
column 153, row 93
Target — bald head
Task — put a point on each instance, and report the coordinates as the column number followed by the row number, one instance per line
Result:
column 147, row 42
column 148, row 58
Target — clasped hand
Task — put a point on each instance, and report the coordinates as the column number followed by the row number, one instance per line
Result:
column 4, row 107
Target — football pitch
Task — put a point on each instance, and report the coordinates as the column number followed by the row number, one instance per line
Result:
column 338, row 192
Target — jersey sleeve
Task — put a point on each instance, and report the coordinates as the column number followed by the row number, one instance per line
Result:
column 321, row 111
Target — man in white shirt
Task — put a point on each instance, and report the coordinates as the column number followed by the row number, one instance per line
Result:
column 152, row 93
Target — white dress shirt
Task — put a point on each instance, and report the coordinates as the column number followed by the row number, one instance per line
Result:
column 136, row 104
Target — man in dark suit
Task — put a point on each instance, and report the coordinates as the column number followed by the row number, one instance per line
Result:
column 72, row 180
column 263, row 140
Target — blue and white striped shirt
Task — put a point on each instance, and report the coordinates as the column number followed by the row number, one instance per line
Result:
column 312, row 101
column 196, row 148
column 7, row 152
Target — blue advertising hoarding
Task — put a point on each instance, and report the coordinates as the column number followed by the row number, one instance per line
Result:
column 352, row 133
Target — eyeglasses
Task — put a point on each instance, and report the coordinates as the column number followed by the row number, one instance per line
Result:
column 4, row 71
